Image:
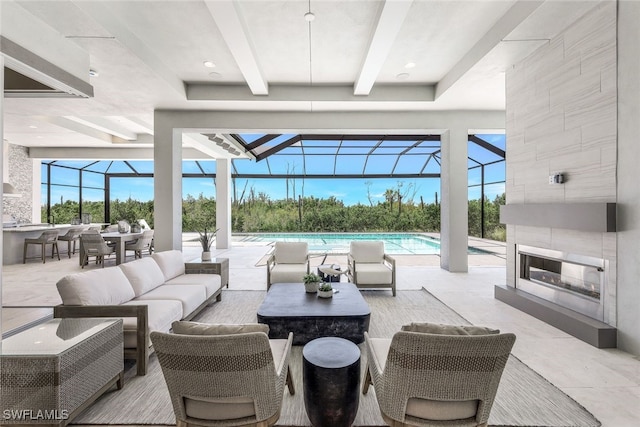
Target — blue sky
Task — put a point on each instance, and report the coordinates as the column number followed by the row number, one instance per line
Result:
column 350, row 190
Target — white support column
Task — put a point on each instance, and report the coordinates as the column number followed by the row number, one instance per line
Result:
column 223, row 203
column 454, row 207
column 167, row 182
column 36, row 194
column 1, row 173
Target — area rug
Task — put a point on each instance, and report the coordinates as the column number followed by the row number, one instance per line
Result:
column 524, row 397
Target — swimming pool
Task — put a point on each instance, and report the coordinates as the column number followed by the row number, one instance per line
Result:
column 394, row 243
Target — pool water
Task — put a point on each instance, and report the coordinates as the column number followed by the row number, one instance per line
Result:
column 394, row 243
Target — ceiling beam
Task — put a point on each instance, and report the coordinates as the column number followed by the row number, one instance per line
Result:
column 487, row 146
column 380, row 93
column 107, row 153
column 502, row 28
column 105, row 125
column 227, row 16
column 390, row 20
column 101, row 13
column 77, row 127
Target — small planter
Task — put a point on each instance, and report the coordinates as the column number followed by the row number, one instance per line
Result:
column 206, row 256
column 311, row 287
column 325, row 294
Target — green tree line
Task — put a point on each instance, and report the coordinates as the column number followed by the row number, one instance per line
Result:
column 258, row 213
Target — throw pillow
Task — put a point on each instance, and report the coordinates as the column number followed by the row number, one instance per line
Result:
column 196, row 328
column 441, row 329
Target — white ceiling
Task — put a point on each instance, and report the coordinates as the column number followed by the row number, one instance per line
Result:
column 150, row 54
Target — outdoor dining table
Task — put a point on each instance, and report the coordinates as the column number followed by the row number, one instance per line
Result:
column 120, row 239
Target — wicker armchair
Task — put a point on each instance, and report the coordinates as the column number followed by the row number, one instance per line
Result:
column 48, row 237
column 72, row 236
column 93, row 245
column 424, row 379
column 141, row 244
column 288, row 263
column 224, row 380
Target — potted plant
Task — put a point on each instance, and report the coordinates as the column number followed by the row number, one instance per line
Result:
column 325, row 290
column 311, row 282
column 206, row 240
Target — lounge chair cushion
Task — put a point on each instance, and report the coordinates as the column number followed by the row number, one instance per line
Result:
column 197, row 328
column 367, row 251
column 291, row 253
column 107, row 286
column 441, row 329
column 373, row 274
column 288, row 273
column 161, row 315
column 232, row 408
column 190, row 296
column 171, row 263
column 143, row 274
column 211, row 282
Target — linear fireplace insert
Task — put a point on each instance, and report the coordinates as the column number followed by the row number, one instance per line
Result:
column 572, row 281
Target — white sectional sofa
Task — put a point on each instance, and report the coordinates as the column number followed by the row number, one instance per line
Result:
column 148, row 294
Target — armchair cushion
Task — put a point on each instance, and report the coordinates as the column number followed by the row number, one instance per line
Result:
column 373, row 274
column 98, row 287
column 291, row 252
column 288, row 273
column 441, row 329
column 231, row 408
column 441, row 410
column 143, row 274
column 367, row 251
column 196, row 328
column 170, row 262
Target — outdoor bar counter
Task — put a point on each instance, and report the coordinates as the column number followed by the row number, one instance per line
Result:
column 13, row 241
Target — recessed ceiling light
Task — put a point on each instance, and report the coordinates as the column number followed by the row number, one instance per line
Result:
column 309, row 17
column 402, row 76
column 39, row 136
column 209, row 64
column 215, row 75
column 409, row 65
column 33, row 127
column 93, row 73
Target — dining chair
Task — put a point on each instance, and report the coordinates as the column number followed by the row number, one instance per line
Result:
column 140, row 244
column 94, row 246
column 48, row 237
column 72, row 236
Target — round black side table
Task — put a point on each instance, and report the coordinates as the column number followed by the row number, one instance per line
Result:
column 331, row 377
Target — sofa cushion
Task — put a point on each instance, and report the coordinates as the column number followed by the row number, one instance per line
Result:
column 197, row 328
column 373, row 274
column 161, row 314
column 107, row 286
column 441, row 410
column 170, row 262
column 212, row 282
column 190, row 296
column 442, row 329
column 367, row 250
column 143, row 274
column 288, row 273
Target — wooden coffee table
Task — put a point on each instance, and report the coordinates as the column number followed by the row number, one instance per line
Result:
column 288, row 308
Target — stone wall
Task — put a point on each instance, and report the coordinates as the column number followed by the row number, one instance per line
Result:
column 562, row 118
column 20, row 176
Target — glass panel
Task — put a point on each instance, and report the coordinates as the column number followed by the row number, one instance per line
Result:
column 320, row 150
column 131, row 199
column 320, row 165
column 93, row 204
column 100, row 166
column 282, row 165
column 208, row 166
column 198, row 187
column 474, row 177
column 190, row 166
column 92, row 179
column 64, row 176
column 246, row 166
column 142, row 166
column 432, row 166
column 380, row 164
column 64, row 204
column 422, row 150
column 495, row 172
column 410, row 164
column 352, row 165
column 44, row 203
column 43, row 173
column 354, row 150
column 119, row 167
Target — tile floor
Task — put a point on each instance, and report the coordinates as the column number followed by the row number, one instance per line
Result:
column 605, row 381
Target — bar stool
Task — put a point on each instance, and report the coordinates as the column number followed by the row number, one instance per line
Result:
column 73, row 235
column 48, row 237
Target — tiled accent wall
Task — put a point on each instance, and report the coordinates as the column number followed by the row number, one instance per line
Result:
column 20, row 176
column 562, row 118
